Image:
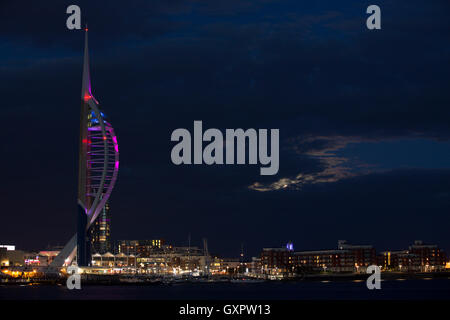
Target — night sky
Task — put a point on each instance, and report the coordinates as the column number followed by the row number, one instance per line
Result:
column 364, row 120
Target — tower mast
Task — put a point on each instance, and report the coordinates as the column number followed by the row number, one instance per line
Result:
column 83, row 152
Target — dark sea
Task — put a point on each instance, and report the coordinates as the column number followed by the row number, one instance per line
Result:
column 423, row 289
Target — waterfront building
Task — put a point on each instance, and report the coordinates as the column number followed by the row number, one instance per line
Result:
column 392, row 260
column 100, row 232
column 419, row 257
column 174, row 260
column 151, row 256
column 106, row 260
column 346, row 258
column 142, row 248
column 227, row 265
column 11, row 258
column 170, row 259
column 364, row 255
column 46, row 257
column 109, row 260
column 428, row 257
column 277, row 260
column 325, row 260
column 8, row 247
column 32, row 259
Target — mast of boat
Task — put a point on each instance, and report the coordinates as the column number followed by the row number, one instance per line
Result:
column 189, row 253
column 242, row 257
column 206, row 253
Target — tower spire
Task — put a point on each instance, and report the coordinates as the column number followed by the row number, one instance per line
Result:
column 86, row 86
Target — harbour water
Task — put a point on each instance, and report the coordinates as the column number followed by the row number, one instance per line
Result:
column 411, row 289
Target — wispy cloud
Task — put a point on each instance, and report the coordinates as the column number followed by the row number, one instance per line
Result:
column 333, row 167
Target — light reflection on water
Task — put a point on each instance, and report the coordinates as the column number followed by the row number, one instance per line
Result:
column 399, row 289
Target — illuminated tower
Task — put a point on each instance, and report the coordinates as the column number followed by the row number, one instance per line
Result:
column 98, row 165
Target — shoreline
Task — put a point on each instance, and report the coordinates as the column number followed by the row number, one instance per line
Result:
column 154, row 281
